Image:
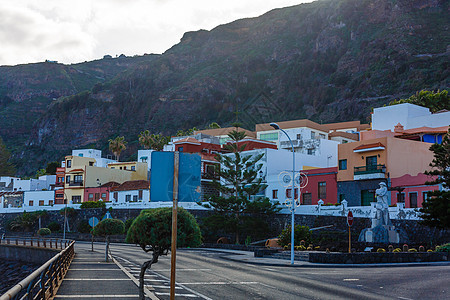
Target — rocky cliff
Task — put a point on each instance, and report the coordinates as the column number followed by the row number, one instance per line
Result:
column 327, row 61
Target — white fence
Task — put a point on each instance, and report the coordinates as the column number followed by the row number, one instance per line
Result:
column 396, row 212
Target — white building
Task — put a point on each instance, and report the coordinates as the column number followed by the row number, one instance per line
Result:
column 135, row 191
column 96, row 154
column 409, row 116
column 276, row 163
column 46, row 182
column 38, row 199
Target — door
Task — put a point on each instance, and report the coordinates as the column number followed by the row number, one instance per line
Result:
column 367, row 197
column 371, row 163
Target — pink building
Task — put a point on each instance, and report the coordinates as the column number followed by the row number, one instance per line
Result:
column 322, row 185
column 101, row 192
column 411, row 190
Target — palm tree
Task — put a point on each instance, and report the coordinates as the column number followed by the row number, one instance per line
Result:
column 145, row 139
column 117, row 145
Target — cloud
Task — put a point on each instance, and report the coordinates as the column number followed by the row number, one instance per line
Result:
column 73, row 31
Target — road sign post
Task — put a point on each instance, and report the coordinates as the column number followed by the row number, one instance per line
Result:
column 349, row 223
column 174, row 224
column 93, row 222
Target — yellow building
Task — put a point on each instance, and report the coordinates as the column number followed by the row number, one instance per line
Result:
column 82, row 173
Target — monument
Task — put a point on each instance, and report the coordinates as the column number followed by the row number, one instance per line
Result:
column 381, row 230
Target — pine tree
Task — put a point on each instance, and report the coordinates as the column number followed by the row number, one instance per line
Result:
column 235, row 210
column 436, row 208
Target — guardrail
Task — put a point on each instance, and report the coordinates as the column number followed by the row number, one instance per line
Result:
column 44, row 282
column 51, row 243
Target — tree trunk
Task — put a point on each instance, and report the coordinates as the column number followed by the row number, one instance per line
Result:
column 107, row 248
column 144, row 268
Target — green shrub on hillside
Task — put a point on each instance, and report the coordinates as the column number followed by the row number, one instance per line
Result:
column 44, row 232
column 93, row 204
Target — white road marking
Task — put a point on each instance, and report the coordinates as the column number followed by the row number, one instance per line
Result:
column 177, row 295
column 96, row 296
column 404, row 298
column 219, row 283
column 165, row 287
column 98, row 279
column 350, row 279
column 76, row 269
column 168, row 270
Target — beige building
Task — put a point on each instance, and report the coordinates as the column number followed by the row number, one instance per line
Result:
column 81, row 173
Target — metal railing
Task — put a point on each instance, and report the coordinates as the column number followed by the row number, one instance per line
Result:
column 370, row 169
column 44, row 282
column 51, row 243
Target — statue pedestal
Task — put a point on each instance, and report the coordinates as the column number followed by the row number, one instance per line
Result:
column 380, row 234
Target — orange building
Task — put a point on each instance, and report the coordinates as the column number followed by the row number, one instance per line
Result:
column 364, row 164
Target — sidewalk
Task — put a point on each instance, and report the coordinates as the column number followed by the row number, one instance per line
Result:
column 90, row 277
column 248, row 257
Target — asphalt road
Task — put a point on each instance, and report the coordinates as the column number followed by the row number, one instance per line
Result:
column 203, row 274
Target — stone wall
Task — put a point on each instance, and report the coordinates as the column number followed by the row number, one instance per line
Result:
column 26, row 254
column 417, row 234
column 368, row 258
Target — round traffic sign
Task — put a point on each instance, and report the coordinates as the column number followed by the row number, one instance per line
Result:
column 350, row 219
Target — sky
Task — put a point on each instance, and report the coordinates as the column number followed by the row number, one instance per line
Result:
column 84, row 30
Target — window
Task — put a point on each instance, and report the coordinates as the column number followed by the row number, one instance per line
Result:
column 125, row 167
column 307, row 198
column 299, row 136
column 367, row 196
column 50, row 202
column 344, row 141
column 313, row 135
column 69, row 163
column 425, row 195
column 59, row 195
column 30, row 203
column 116, row 196
column 310, row 152
column 60, row 179
column 321, row 135
column 135, row 198
column 80, row 155
column 274, row 194
column 113, row 167
column 140, row 192
column 342, row 164
column 322, row 187
column 341, row 198
column 97, row 196
column 273, row 136
column 371, row 162
column 91, row 197
column 104, row 196
column 413, row 200
column 68, row 179
column 289, row 193
column 91, row 163
column 78, row 178
column 76, row 199
column 133, row 168
column 400, row 197
column 128, row 198
column 41, row 202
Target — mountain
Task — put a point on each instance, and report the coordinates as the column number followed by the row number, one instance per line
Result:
column 330, row 60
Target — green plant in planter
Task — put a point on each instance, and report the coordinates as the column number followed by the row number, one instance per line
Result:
column 44, row 232
column 381, row 250
column 412, row 250
column 300, row 233
column 397, row 250
column 443, row 248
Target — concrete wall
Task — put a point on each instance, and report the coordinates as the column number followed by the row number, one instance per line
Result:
column 26, row 254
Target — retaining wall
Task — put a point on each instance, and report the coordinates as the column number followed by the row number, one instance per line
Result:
column 26, row 253
column 368, row 258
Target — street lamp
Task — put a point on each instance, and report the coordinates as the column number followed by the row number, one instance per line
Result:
column 277, row 127
column 65, row 215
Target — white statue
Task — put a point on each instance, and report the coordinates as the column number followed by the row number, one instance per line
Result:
column 382, row 206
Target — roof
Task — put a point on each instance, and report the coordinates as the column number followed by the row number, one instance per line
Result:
column 368, row 146
column 132, row 185
column 225, row 131
column 347, row 125
column 425, row 129
column 76, row 171
column 348, row 135
column 110, row 184
column 11, row 193
column 292, row 124
column 188, row 140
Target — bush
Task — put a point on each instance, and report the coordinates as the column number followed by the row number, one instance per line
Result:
column 44, row 231
column 84, row 227
column 93, row 204
column 443, row 248
column 397, row 250
column 128, row 223
column 412, row 250
column 299, row 248
column 381, row 250
column 54, row 226
column 300, row 233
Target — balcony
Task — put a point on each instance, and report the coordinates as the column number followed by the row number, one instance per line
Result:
column 76, row 183
column 208, row 176
column 287, row 144
column 369, row 172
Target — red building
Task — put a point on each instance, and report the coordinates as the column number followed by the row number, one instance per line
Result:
column 322, row 185
column 101, row 192
column 411, row 190
column 59, row 185
column 252, row 144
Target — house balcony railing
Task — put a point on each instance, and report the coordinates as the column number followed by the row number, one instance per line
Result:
column 76, row 183
column 210, row 176
column 370, row 169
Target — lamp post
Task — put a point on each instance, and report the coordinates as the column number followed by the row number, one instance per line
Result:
column 65, row 215
column 277, row 127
